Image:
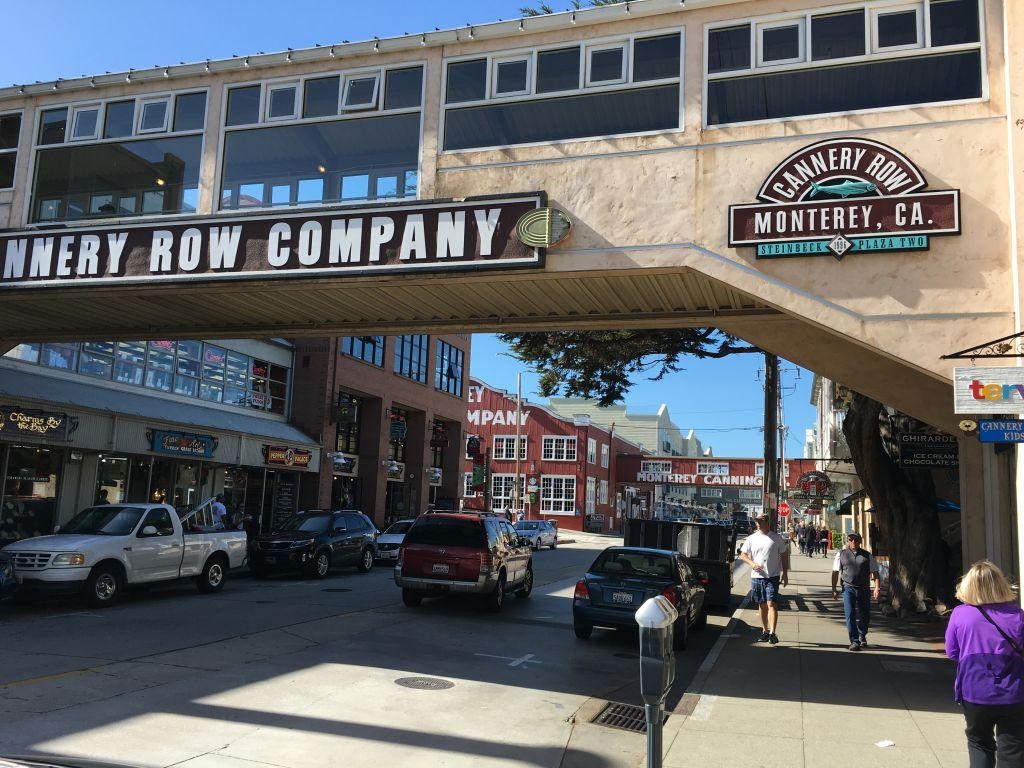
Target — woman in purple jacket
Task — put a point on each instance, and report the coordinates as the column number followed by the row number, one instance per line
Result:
column 985, row 637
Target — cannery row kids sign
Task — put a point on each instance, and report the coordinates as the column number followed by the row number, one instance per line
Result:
column 843, row 196
column 474, row 234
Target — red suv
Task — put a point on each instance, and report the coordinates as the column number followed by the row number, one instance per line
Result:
column 464, row 553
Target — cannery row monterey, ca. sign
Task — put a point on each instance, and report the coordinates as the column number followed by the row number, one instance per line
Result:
column 472, row 234
column 843, row 196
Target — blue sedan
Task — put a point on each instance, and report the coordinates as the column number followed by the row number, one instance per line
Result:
column 622, row 578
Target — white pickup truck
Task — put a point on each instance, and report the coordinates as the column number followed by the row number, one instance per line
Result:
column 103, row 549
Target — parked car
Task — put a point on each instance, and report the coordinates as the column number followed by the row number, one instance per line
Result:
column 314, row 542
column 541, row 533
column 103, row 549
column 389, row 542
column 622, row 578
column 448, row 553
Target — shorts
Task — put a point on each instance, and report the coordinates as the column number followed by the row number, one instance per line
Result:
column 764, row 590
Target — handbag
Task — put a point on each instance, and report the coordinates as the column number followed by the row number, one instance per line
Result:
column 1018, row 649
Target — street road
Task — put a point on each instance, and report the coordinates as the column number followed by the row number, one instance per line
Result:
column 296, row 673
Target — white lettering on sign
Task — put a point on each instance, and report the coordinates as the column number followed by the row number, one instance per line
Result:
column 686, row 479
column 497, row 418
column 476, row 394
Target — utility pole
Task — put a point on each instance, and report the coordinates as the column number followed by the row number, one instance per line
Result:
column 782, row 443
column 517, row 502
column 771, row 409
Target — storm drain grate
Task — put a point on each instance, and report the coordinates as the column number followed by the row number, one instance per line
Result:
column 425, row 683
column 337, row 589
column 625, row 717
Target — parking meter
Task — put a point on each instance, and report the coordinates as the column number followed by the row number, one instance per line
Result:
column 656, row 618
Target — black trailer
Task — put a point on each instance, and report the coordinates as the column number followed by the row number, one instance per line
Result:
column 711, row 548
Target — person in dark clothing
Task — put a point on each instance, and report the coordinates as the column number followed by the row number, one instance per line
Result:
column 856, row 567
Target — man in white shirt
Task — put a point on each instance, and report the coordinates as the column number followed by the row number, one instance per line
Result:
column 767, row 554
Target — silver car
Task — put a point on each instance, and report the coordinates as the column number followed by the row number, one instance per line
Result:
column 540, row 533
column 389, row 542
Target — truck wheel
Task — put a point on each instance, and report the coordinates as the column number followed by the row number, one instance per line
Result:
column 103, row 587
column 366, row 561
column 702, row 617
column 582, row 630
column 213, row 575
column 496, row 598
column 681, row 632
column 411, row 598
column 527, row 587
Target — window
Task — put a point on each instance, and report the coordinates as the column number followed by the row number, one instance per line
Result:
column 320, row 96
column 119, row 119
column 750, row 494
column 729, row 48
column 604, row 455
column 10, row 130
column 153, row 116
column 467, row 81
column 360, row 92
column 606, row 64
column 448, row 366
column 555, row 448
column 953, row 22
column 558, row 494
column 468, row 489
column 403, row 88
column 711, row 493
column 780, row 42
column 897, row 28
column 503, row 492
column 85, row 123
column 281, row 101
column 591, row 495
column 511, row 77
column 657, row 58
column 558, row 70
column 243, row 105
column 411, row 357
column 505, row 447
column 53, row 125
column 602, row 492
column 656, row 467
column 63, row 356
column 837, row 35
column 591, row 450
column 369, row 349
column 189, row 112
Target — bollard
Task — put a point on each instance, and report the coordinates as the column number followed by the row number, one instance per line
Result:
column 656, row 618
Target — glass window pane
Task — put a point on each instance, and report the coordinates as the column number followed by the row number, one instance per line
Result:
column 412, row 183
column 729, row 49
column 511, row 77
column 311, row 190
column 156, row 379
column 27, row 353
column 154, row 116
column 161, row 355
column 152, row 201
column 387, row 186
column 655, row 58
column 85, row 123
column 954, row 22
column 281, row 194
column 7, row 163
column 355, row 187
column 896, row 29
column 837, row 35
column 101, row 366
column 467, row 81
column 49, row 210
column 186, row 385
column 101, row 204
column 403, row 88
column 213, row 362
column 99, row 347
column 250, row 196
column 282, row 102
column 63, row 356
column 606, row 65
column 10, row 128
column 558, row 70
column 237, row 369
column 76, row 208
column 321, row 97
column 132, row 351
column 119, row 119
column 126, row 373
column 190, row 112
column 243, row 105
column 359, row 92
column 52, row 126
column 234, row 395
column 127, row 205
column 189, row 350
column 780, row 43
column 190, row 200
column 211, row 391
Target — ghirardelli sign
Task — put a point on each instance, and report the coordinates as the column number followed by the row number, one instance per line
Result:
column 844, row 196
column 477, row 233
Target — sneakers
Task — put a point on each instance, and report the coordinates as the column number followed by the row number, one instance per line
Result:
column 863, row 643
column 773, row 639
column 765, row 636
column 854, row 646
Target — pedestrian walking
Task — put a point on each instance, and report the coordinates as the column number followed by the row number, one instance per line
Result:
column 985, row 637
column 220, row 512
column 856, row 567
column 823, row 541
column 767, row 554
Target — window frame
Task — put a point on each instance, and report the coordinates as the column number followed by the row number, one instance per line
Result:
column 504, row 455
column 565, row 441
column 591, row 450
column 74, row 112
column 351, row 77
column 267, row 97
column 626, row 70
column 140, row 113
column 885, row 10
column 606, row 451
column 494, row 64
column 800, row 22
column 567, row 503
column 17, row 141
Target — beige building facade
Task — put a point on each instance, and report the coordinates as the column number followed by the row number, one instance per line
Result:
column 643, row 122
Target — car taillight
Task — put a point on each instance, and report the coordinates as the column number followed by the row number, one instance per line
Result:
column 582, row 591
column 485, row 562
column 671, row 592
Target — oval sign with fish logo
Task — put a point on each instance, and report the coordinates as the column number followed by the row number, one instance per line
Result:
column 843, row 196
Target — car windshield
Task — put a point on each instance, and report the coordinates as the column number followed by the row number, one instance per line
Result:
column 633, row 563
column 106, row 520
column 448, row 532
column 308, row 523
column 527, row 525
column 398, row 528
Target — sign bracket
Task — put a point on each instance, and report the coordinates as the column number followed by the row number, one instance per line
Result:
column 1011, row 346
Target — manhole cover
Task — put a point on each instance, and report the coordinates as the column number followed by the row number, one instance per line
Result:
column 627, row 656
column 626, row 717
column 425, row 683
column 337, row 589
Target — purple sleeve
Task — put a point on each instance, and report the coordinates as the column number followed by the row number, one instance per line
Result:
column 952, row 644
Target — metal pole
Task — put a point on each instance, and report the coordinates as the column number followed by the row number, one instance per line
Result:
column 516, row 488
column 487, row 479
column 771, row 397
column 782, row 449
column 655, row 715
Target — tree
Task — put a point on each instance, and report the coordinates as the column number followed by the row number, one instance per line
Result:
column 544, row 8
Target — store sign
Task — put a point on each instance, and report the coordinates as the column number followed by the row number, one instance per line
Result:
column 475, row 234
column 813, row 485
column 182, row 444
column 843, row 196
column 920, row 449
column 344, row 464
column 22, row 422
column 434, row 476
column 281, row 456
column 988, row 389
column 1001, row 430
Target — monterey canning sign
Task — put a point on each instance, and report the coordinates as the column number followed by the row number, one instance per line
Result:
column 472, row 234
column 843, row 196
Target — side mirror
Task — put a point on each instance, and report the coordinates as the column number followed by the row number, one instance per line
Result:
column 149, row 530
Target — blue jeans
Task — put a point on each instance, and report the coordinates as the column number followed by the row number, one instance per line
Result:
column 857, row 607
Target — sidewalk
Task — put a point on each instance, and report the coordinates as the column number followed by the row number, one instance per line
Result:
column 809, row 701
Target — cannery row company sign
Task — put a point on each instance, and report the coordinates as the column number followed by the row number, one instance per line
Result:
column 843, row 196
column 22, row 422
column 476, row 233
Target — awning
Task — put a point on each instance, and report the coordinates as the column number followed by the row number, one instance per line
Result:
column 846, row 504
column 50, row 390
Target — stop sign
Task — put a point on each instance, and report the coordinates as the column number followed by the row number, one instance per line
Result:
column 784, row 509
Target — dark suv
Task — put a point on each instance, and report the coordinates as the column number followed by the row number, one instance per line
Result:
column 446, row 553
column 314, row 542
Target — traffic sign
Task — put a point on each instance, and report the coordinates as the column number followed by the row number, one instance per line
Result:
column 784, row 509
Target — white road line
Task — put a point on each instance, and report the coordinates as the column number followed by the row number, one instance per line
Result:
column 514, row 662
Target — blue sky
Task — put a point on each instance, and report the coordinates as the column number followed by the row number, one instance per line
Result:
column 722, row 399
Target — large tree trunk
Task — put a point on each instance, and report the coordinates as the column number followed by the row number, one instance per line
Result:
column 904, row 502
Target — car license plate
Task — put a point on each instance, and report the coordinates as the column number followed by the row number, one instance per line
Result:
column 625, row 598
column 439, row 568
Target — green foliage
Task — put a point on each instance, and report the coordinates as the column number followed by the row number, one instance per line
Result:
column 576, row 5
column 602, row 364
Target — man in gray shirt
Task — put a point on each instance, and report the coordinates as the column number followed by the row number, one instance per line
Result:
column 856, row 567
